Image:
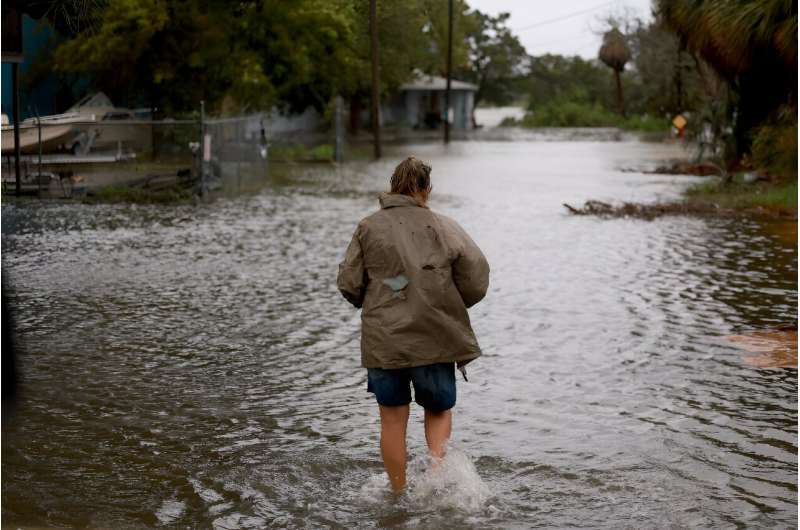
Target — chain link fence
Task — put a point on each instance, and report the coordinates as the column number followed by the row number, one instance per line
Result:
column 69, row 156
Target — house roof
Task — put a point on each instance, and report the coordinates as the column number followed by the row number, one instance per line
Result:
column 434, row 82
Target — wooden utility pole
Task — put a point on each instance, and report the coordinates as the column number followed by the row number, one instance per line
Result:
column 15, row 111
column 449, row 71
column 373, row 33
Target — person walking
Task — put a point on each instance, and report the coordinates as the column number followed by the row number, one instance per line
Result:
column 413, row 273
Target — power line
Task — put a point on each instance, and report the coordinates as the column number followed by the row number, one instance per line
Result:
column 565, row 17
column 562, row 40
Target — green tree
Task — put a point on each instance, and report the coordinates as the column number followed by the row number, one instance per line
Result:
column 751, row 44
column 665, row 69
column 403, row 46
column 496, row 59
column 173, row 53
column 299, row 54
column 435, row 28
column 557, row 78
column 615, row 54
column 168, row 55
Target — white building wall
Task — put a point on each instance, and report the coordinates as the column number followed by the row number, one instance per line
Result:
column 469, row 99
column 413, row 102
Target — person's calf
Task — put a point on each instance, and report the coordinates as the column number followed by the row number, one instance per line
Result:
column 394, row 421
column 438, row 425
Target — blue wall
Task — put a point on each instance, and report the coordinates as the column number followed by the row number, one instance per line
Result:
column 35, row 35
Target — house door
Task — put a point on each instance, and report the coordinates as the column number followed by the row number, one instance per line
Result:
column 433, row 112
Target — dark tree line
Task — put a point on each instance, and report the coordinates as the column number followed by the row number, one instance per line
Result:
column 255, row 54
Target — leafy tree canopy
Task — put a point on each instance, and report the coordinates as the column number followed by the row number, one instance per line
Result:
column 496, row 58
column 255, row 54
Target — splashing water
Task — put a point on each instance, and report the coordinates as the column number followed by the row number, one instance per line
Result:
column 170, row 511
column 452, row 483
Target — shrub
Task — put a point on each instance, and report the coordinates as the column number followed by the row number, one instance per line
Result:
column 571, row 113
column 301, row 153
column 775, row 145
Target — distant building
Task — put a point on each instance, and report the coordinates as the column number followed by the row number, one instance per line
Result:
column 420, row 103
column 35, row 35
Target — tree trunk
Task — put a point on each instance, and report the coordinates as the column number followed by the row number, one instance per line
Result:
column 449, row 72
column 373, row 30
column 620, row 98
column 355, row 114
column 678, row 83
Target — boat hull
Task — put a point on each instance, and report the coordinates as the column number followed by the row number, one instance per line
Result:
column 55, row 138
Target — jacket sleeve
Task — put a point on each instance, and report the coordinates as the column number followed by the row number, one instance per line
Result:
column 470, row 269
column 352, row 279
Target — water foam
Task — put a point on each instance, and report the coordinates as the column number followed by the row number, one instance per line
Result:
column 170, row 511
column 451, row 483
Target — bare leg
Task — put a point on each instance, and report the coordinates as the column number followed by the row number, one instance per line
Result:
column 437, row 431
column 394, row 421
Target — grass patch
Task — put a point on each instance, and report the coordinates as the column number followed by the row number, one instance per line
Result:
column 780, row 197
column 645, row 123
column 117, row 194
column 301, row 153
column 358, row 151
column 709, row 199
column 581, row 114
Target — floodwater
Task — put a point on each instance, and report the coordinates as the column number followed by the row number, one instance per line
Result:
column 194, row 366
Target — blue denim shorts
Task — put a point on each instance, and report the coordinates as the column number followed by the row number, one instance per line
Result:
column 434, row 386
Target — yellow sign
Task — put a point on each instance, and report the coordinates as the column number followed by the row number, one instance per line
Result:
column 679, row 122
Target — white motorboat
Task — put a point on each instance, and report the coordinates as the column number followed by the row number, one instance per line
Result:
column 92, row 124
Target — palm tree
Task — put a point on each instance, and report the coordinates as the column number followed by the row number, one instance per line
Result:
column 68, row 17
column 731, row 35
column 615, row 53
column 751, row 44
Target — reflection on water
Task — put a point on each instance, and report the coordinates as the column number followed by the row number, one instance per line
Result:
column 775, row 348
column 195, row 365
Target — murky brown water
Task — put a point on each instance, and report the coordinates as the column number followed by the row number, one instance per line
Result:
column 196, row 367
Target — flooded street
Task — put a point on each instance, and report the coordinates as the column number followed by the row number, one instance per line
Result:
column 195, row 366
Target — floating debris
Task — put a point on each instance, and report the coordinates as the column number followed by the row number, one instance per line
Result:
column 651, row 211
column 629, row 209
column 704, row 169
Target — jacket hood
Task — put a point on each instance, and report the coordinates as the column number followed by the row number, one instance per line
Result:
column 394, row 200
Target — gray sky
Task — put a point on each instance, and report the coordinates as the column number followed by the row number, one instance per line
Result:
column 564, row 27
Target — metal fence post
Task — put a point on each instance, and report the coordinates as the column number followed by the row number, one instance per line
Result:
column 338, row 149
column 39, row 123
column 17, row 120
column 263, row 144
column 39, row 130
column 203, row 188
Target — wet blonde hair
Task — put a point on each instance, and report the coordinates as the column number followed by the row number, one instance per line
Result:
column 412, row 176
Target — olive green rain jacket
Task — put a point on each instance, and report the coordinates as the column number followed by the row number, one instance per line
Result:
column 414, row 273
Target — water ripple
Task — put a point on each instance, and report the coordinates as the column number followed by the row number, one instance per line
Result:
column 195, row 365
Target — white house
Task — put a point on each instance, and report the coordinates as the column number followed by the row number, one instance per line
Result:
column 420, row 103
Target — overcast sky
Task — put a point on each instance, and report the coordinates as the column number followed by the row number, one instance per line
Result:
column 563, row 27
